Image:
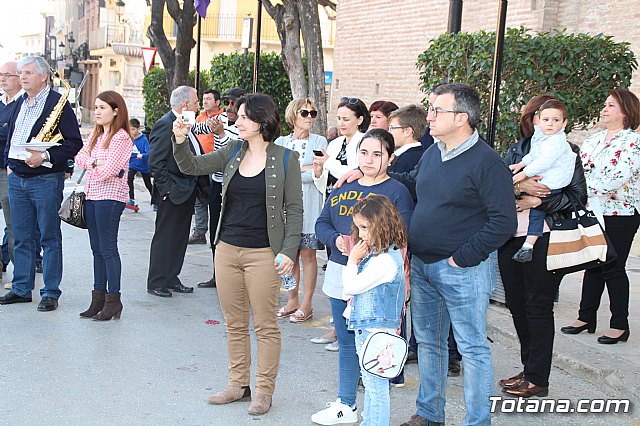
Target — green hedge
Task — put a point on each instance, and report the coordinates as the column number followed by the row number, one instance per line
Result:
column 236, row 70
column 227, row 71
column 580, row 69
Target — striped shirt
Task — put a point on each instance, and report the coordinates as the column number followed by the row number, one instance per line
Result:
column 28, row 116
column 109, row 180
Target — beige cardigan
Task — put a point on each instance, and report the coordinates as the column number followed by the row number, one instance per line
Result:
column 284, row 235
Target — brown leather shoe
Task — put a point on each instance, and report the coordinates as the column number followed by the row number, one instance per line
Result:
column 230, row 394
column 260, row 404
column 523, row 390
column 512, row 381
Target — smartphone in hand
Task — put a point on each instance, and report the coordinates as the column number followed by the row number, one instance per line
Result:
column 188, row 117
column 318, row 153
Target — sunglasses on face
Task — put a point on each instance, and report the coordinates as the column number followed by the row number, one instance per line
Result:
column 305, row 113
column 350, row 101
column 230, row 102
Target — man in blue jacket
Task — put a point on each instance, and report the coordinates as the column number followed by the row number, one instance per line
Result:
column 36, row 184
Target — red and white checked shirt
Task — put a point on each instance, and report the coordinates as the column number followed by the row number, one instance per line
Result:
column 109, row 180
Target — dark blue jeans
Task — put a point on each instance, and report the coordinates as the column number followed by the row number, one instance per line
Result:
column 348, row 366
column 103, row 222
column 35, row 202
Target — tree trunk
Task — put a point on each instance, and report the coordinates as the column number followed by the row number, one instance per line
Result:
column 175, row 61
column 288, row 24
column 312, row 36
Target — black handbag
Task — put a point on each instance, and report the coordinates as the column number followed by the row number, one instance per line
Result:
column 578, row 242
column 72, row 209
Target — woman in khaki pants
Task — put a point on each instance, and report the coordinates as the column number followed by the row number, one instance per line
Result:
column 260, row 179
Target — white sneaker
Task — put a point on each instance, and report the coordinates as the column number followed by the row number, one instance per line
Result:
column 336, row 413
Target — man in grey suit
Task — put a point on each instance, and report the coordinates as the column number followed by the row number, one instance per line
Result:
column 176, row 195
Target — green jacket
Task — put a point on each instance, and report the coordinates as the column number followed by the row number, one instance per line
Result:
column 284, row 232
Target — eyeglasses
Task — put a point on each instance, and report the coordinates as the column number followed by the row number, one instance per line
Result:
column 397, row 127
column 350, row 101
column 305, row 113
column 436, row 111
column 228, row 101
column 7, row 75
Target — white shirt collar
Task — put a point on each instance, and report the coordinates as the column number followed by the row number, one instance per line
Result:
column 406, row 147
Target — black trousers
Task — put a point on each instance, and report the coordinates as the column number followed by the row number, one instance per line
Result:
column 620, row 230
column 215, row 205
column 530, row 290
column 146, row 177
column 169, row 243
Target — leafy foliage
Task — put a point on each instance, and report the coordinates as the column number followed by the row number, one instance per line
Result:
column 236, row 70
column 579, row 69
column 156, row 95
column 227, row 71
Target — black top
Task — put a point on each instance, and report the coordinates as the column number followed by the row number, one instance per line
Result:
column 245, row 222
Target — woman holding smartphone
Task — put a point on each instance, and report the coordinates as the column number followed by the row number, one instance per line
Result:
column 300, row 115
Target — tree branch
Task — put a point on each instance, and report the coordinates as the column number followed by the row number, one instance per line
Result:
column 174, row 10
column 328, row 3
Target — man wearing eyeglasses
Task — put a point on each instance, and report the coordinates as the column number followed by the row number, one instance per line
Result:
column 463, row 214
column 36, row 183
column 12, row 90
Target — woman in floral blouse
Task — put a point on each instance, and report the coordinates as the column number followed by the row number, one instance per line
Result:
column 612, row 168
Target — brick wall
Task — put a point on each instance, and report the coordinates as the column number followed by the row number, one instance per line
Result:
column 378, row 42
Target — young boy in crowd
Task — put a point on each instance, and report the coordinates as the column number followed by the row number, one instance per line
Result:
column 550, row 157
column 139, row 162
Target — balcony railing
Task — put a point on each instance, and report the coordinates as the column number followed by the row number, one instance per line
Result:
column 106, row 35
column 229, row 27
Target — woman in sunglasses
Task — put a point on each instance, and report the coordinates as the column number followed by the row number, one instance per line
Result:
column 300, row 115
column 341, row 156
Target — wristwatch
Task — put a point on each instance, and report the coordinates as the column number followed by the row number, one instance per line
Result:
column 95, row 163
column 45, row 157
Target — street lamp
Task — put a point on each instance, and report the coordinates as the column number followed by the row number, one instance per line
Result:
column 61, row 46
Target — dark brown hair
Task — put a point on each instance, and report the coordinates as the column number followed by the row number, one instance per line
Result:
column 120, row 121
column 261, row 109
column 554, row 104
column 630, row 106
column 386, row 227
column 529, row 111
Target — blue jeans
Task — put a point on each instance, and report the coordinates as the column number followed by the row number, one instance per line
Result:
column 377, row 403
column 348, row 368
column 442, row 295
column 103, row 222
column 35, row 202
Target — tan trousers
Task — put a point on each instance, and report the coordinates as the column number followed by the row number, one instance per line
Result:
column 247, row 282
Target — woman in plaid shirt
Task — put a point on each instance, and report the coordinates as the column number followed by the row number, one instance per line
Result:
column 105, row 157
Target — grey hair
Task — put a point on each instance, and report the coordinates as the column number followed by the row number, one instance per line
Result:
column 42, row 67
column 180, row 95
column 466, row 98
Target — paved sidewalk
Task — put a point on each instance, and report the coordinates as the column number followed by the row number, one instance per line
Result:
column 158, row 364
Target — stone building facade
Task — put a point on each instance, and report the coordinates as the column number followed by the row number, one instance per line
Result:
column 378, row 42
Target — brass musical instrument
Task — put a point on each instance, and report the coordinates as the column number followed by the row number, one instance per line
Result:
column 47, row 134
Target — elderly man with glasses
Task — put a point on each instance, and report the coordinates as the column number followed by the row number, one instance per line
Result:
column 36, row 183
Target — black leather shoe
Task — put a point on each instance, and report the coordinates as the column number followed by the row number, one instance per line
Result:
column 48, row 304
column 197, row 239
column 11, row 297
column 570, row 329
column 160, row 292
column 606, row 340
column 208, row 284
column 182, row 289
column 454, row 367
